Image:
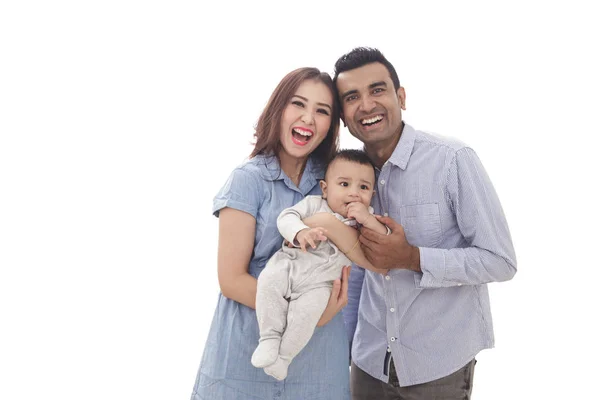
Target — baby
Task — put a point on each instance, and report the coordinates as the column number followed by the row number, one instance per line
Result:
column 295, row 286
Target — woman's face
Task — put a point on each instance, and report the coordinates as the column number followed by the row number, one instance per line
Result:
column 306, row 119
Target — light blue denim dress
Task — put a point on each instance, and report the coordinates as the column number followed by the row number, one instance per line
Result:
column 320, row 371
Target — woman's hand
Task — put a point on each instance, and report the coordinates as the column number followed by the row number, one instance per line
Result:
column 338, row 298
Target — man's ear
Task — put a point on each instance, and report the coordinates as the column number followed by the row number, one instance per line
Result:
column 323, row 188
column 401, row 97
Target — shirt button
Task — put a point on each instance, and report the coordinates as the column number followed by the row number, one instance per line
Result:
column 387, row 278
column 385, row 214
column 392, row 309
column 460, row 284
column 393, row 339
column 382, row 181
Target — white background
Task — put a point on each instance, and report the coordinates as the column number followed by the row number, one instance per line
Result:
column 120, row 120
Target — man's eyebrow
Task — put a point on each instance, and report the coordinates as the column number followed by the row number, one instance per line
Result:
column 371, row 86
column 305, row 99
column 375, row 84
column 348, row 93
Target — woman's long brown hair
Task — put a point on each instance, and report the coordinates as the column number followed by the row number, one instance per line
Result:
column 268, row 127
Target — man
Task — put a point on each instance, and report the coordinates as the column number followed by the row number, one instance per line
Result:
column 416, row 331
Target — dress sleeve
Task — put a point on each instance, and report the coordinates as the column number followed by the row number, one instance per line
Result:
column 241, row 192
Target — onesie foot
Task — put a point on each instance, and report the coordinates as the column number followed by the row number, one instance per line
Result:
column 278, row 369
column 266, row 353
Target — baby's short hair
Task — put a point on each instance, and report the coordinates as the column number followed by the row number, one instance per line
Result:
column 353, row 155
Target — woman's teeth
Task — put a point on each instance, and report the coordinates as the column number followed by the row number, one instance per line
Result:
column 301, row 132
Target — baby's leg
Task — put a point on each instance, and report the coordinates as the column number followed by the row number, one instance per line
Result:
column 271, row 310
column 303, row 315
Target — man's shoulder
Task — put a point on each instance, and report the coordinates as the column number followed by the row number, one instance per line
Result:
column 428, row 138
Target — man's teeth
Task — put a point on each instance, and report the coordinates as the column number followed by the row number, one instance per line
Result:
column 376, row 118
column 303, row 133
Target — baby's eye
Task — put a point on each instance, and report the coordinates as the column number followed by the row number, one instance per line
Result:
column 344, row 184
column 364, row 187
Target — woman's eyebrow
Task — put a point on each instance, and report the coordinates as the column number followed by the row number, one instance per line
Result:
column 305, row 99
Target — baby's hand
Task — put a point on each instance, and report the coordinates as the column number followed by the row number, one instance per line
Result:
column 358, row 211
column 310, row 236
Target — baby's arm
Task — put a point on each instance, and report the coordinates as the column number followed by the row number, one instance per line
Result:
column 361, row 214
column 344, row 237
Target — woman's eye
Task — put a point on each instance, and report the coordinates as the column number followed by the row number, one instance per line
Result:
column 298, row 103
column 323, row 111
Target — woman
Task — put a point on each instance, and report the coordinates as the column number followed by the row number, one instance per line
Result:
column 296, row 135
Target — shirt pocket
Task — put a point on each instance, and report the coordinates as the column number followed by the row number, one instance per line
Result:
column 422, row 224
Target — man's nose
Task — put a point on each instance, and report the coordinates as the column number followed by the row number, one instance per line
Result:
column 367, row 104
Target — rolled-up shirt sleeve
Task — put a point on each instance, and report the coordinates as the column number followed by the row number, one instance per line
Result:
column 242, row 191
column 486, row 253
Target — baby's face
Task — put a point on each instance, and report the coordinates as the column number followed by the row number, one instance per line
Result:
column 347, row 182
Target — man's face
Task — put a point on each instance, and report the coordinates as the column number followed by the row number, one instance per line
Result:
column 346, row 182
column 372, row 109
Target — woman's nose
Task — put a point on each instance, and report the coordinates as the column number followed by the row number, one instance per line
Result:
column 308, row 118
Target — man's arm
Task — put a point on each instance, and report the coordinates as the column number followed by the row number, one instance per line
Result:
column 489, row 255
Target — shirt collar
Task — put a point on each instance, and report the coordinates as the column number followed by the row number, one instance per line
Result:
column 404, row 148
column 271, row 170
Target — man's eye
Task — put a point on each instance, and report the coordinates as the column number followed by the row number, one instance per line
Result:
column 351, row 98
column 377, row 90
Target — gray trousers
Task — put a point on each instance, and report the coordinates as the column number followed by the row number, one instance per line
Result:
column 456, row 386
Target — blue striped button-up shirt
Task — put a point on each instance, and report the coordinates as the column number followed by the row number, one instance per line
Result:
column 432, row 323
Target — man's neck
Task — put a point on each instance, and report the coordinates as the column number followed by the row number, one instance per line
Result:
column 380, row 152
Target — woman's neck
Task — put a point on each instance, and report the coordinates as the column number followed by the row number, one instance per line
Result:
column 292, row 167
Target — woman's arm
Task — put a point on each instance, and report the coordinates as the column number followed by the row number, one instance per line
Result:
column 344, row 237
column 236, row 242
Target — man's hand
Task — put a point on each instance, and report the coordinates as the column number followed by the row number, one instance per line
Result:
column 338, row 298
column 311, row 237
column 389, row 251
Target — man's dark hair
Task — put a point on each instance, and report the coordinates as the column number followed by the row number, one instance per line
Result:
column 353, row 155
column 361, row 56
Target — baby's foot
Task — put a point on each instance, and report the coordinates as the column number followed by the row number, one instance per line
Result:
column 266, row 353
column 278, row 369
